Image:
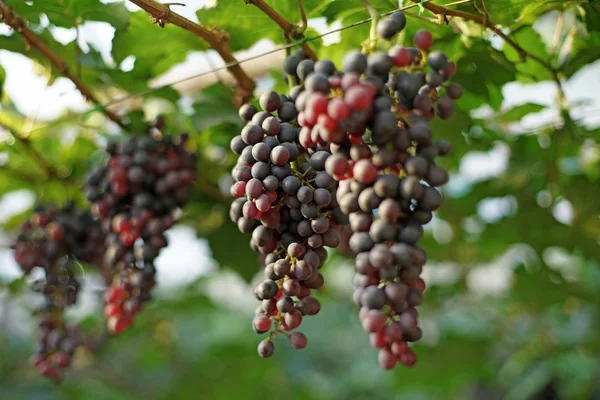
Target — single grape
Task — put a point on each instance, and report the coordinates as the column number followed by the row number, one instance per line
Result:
column 270, row 101
column 423, row 39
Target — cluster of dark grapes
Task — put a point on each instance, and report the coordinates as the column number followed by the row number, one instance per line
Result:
column 53, row 240
column 367, row 128
column 135, row 193
column 287, row 201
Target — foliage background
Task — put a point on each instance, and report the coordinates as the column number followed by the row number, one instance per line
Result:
column 512, row 309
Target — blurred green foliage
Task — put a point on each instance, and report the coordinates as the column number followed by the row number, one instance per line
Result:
column 539, row 338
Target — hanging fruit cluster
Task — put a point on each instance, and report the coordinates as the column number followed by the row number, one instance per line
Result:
column 346, row 146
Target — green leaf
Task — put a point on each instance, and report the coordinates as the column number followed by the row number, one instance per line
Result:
column 504, row 12
column 231, row 249
column 479, row 68
column 591, row 17
column 586, row 50
column 17, row 286
column 16, row 43
column 533, row 10
column 155, row 49
column 214, row 107
column 343, row 9
column 15, row 221
column 530, row 70
column 246, row 24
column 520, row 111
column 67, row 14
column 167, row 93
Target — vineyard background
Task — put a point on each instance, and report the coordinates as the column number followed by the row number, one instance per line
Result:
column 511, row 310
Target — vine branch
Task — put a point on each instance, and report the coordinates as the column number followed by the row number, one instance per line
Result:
column 10, row 18
column 161, row 15
column 289, row 29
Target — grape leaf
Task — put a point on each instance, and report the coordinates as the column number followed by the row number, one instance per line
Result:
column 17, row 44
column 591, row 17
column 155, row 49
column 215, row 107
column 250, row 24
column 482, row 64
column 67, row 14
column 338, row 10
column 586, row 50
column 530, row 70
column 231, row 249
column 518, row 112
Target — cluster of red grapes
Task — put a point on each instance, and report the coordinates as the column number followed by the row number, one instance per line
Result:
column 365, row 127
column 286, row 200
column 134, row 195
column 53, row 240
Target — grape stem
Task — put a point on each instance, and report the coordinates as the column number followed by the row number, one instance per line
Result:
column 12, row 19
column 375, row 16
column 289, row 29
column 216, row 38
column 273, row 334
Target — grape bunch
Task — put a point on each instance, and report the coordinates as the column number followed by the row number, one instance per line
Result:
column 135, row 193
column 286, row 200
column 373, row 117
column 53, row 240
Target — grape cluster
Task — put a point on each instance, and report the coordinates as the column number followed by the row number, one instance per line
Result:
column 135, row 194
column 373, row 117
column 53, row 240
column 286, row 200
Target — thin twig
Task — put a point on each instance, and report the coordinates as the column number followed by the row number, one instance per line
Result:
column 9, row 17
column 216, row 38
column 288, row 28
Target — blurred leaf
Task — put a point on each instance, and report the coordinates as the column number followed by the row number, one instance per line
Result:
column 518, row 112
column 586, row 50
column 15, row 221
column 155, row 49
column 529, row 69
column 16, row 286
column 215, row 107
column 591, row 17
column 66, row 14
column 16, row 43
column 482, row 64
column 231, row 249
column 250, row 24
column 167, row 93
